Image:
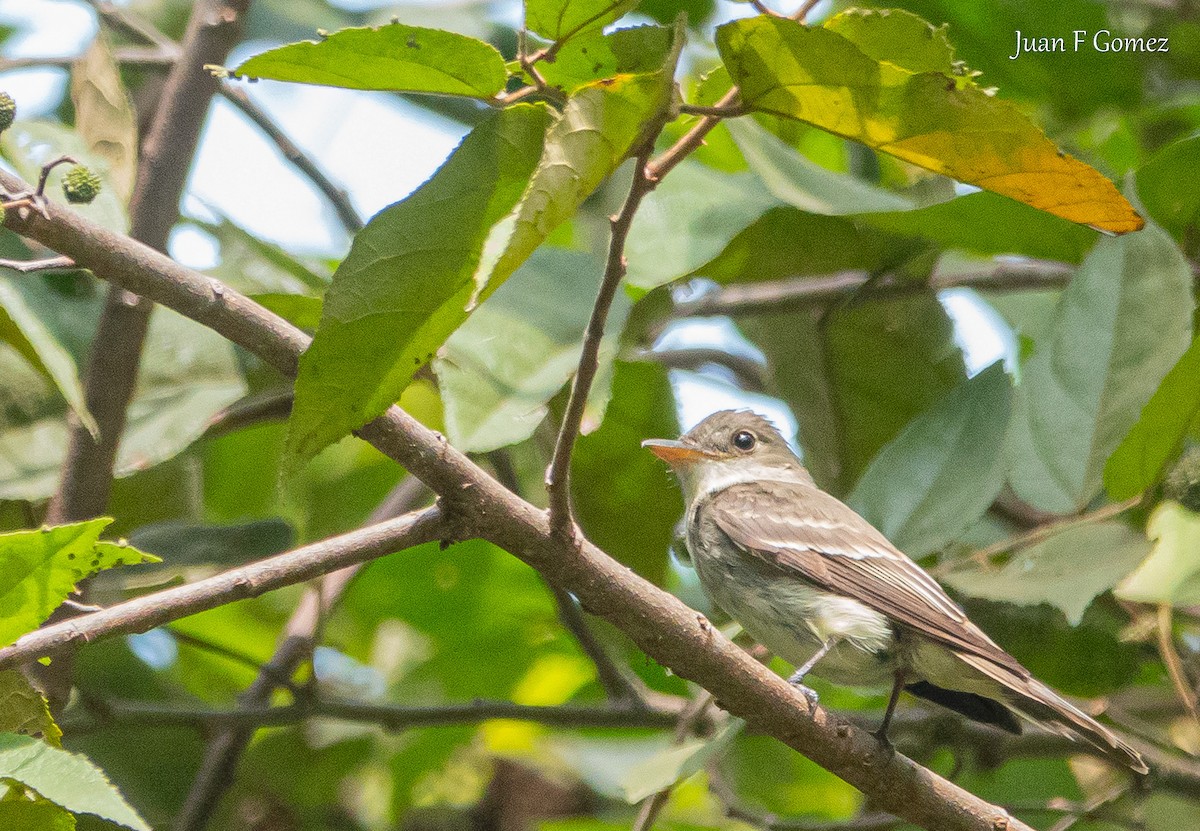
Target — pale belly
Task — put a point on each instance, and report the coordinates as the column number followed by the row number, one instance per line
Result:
column 793, row 620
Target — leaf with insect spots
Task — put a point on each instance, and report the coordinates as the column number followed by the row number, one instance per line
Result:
column 40, row 568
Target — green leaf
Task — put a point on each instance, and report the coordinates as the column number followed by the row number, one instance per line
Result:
column 41, row 567
column 25, row 332
column 898, row 37
column 676, row 763
column 560, row 20
column 1122, row 322
column 595, row 55
column 23, row 710
column 394, row 57
column 943, row 470
column 988, row 224
column 642, row 407
column 794, row 179
column 253, row 266
column 1164, row 186
column 66, row 779
column 600, row 126
column 1066, row 571
column 35, row 816
column 186, row 545
column 104, row 115
column 1171, row 574
column 300, row 310
column 787, row 242
column 1155, row 438
column 405, row 284
column 688, row 219
column 941, row 122
column 499, row 369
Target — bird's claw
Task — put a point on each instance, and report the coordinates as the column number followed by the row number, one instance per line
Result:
column 813, row 698
column 881, row 736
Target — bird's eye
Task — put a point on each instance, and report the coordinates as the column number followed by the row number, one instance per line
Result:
column 744, row 440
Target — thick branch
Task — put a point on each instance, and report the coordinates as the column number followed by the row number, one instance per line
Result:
column 558, row 476
column 656, row 621
column 782, row 296
column 151, row 610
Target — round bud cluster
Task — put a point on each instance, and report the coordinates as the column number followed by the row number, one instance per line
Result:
column 1183, row 482
column 8, row 111
column 80, row 185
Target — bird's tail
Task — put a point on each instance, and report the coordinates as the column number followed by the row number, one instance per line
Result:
column 1036, row 702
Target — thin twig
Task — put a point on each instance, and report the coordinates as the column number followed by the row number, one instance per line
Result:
column 229, row 652
column 616, row 684
column 336, row 196
column 47, row 264
column 690, row 140
column 801, row 13
column 132, row 25
column 1043, row 532
column 127, row 56
column 158, row 608
column 652, row 805
column 732, row 111
column 1166, row 648
column 390, row 717
column 763, row 8
column 558, row 475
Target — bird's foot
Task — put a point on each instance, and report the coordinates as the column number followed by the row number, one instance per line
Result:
column 809, row 692
column 881, row 736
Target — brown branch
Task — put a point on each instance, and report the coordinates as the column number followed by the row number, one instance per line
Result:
column 47, row 264
column 659, row 623
column 336, row 196
column 158, row 608
column 616, row 685
column 805, row 7
column 112, row 369
column 793, row 293
column 558, row 475
column 690, row 140
column 224, row 750
column 127, row 56
column 1045, row 531
column 1166, row 649
column 390, row 717
column 732, row 111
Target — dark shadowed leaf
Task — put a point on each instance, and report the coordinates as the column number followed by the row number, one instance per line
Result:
column 1165, row 186
column 595, row 55
column 395, row 57
column 943, row 470
column 1122, row 322
column 405, row 284
column 23, row 710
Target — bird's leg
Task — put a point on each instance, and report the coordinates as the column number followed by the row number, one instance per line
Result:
column 797, row 677
column 881, row 732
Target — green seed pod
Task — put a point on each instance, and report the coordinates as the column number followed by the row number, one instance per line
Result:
column 8, row 111
column 80, row 185
column 1183, row 482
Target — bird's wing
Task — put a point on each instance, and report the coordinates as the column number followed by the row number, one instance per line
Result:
column 801, row 529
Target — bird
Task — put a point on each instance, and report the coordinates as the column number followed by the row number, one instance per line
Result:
column 817, row 584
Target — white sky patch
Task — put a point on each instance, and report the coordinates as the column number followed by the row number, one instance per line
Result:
column 708, row 332
column 156, row 648
column 980, row 332
column 699, row 396
column 194, row 247
column 44, row 28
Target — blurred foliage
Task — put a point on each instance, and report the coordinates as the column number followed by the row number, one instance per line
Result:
column 467, row 300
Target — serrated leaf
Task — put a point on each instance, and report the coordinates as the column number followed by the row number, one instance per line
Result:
column 39, row 568
column 1171, row 573
column 405, row 284
column 394, row 57
column 499, row 369
column 23, row 710
column 66, row 779
column 560, row 20
column 676, row 763
column 898, row 37
column 1066, row 571
column 1121, row 323
column 939, row 475
column 104, row 115
column 600, row 126
column 25, row 332
column 794, row 179
column 688, row 219
column 940, row 122
column 1155, row 438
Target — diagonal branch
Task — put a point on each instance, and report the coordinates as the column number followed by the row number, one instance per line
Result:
column 659, row 623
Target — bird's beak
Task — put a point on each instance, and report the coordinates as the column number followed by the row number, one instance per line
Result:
column 675, row 452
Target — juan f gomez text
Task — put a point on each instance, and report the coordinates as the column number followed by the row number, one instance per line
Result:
column 1100, row 41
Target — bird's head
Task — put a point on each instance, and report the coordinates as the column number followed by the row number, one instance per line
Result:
column 729, row 447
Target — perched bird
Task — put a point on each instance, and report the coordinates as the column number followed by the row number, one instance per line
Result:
column 818, row 585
